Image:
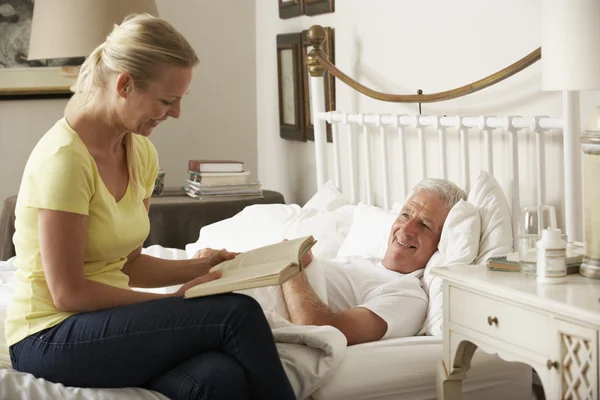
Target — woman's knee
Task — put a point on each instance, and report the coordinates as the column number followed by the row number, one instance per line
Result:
column 246, row 304
column 219, row 376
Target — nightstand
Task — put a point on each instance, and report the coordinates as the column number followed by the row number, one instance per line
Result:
column 176, row 219
column 553, row 328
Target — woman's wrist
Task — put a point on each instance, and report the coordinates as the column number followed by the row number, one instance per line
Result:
column 199, row 266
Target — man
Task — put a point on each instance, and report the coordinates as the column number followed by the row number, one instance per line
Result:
column 370, row 300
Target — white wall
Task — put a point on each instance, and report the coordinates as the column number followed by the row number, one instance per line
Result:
column 223, row 34
column 399, row 46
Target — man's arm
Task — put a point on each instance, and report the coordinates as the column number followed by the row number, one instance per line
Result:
column 359, row 325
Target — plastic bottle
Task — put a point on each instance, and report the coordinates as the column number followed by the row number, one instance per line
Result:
column 551, row 251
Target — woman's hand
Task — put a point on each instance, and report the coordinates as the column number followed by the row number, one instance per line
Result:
column 211, row 276
column 208, row 253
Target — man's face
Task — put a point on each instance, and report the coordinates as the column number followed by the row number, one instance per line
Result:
column 415, row 233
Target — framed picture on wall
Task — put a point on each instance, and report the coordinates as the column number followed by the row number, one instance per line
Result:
column 290, row 8
column 20, row 77
column 315, row 7
column 289, row 78
column 328, row 82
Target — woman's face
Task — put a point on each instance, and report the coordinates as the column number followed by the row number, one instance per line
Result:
column 143, row 109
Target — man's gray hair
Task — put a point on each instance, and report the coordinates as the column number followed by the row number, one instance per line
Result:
column 443, row 189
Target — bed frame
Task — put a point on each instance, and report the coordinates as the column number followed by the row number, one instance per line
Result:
column 406, row 126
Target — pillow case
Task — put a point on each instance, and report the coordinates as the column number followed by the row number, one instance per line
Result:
column 459, row 245
column 496, row 223
column 327, row 198
column 329, row 228
column 369, row 232
column 264, row 224
column 7, row 285
column 255, row 226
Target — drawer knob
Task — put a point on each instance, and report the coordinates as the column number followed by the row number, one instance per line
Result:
column 552, row 364
column 492, row 321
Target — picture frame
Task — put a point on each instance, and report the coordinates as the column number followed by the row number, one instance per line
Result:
column 290, row 88
column 328, row 82
column 39, row 82
column 290, row 8
column 316, row 7
column 22, row 78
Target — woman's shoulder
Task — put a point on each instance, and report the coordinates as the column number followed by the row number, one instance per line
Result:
column 144, row 149
column 61, row 142
column 143, row 145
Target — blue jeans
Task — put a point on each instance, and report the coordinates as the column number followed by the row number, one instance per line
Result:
column 215, row 347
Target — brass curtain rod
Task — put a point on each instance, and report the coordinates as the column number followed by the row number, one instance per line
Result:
column 318, row 63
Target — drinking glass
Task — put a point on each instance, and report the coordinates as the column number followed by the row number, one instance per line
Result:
column 532, row 221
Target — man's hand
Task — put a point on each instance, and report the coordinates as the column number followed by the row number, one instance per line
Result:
column 307, row 258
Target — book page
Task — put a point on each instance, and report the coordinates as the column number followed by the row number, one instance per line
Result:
column 284, row 253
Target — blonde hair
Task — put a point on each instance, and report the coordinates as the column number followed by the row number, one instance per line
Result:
column 139, row 46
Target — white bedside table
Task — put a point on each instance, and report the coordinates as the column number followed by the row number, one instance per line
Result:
column 553, row 328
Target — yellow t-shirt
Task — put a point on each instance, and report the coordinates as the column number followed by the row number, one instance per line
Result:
column 62, row 175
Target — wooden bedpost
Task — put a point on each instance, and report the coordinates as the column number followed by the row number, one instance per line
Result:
column 316, row 36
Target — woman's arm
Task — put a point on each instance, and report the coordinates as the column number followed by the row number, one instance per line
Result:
column 62, row 243
column 145, row 271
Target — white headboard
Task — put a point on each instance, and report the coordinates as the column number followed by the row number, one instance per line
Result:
column 378, row 157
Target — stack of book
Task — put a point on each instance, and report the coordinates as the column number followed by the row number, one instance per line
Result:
column 219, row 179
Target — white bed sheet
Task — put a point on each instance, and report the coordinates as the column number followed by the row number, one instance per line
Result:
column 390, row 369
column 406, row 368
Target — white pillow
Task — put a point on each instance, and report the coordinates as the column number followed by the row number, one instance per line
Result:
column 327, row 198
column 369, row 232
column 7, row 285
column 255, row 226
column 328, row 228
column 496, row 235
column 263, row 224
column 459, row 245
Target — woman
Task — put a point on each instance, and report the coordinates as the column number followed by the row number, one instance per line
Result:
column 81, row 221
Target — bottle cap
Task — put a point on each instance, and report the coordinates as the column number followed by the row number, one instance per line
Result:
column 551, row 239
column 551, row 235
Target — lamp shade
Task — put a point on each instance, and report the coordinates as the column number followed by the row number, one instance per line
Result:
column 73, row 28
column 570, row 44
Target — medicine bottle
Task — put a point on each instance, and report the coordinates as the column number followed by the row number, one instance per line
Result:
column 551, row 250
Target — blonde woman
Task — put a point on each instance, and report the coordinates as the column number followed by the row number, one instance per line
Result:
column 81, row 221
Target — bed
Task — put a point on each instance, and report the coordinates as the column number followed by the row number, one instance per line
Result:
column 354, row 194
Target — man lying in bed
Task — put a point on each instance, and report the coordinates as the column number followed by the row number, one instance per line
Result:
column 370, row 299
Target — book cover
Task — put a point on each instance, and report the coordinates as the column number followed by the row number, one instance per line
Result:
column 219, row 178
column 264, row 266
column 215, row 165
column 209, row 187
column 510, row 262
column 215, row 197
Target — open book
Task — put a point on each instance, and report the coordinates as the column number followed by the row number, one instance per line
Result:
column 265, row 266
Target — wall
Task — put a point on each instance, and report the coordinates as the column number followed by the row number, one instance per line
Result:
column 223, row 34
column 399, row 46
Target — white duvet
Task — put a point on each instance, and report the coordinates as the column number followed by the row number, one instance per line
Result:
column 310, row 354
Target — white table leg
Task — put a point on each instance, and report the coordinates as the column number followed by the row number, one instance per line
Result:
column 449, row 380
column 448, row 388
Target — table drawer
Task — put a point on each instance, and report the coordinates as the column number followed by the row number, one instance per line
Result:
column 493, row 317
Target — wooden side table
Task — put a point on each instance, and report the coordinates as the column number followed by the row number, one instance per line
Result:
column 176, row 219
column 553, row 328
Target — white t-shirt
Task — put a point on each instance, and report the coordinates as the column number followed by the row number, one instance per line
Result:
column 397, row 298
